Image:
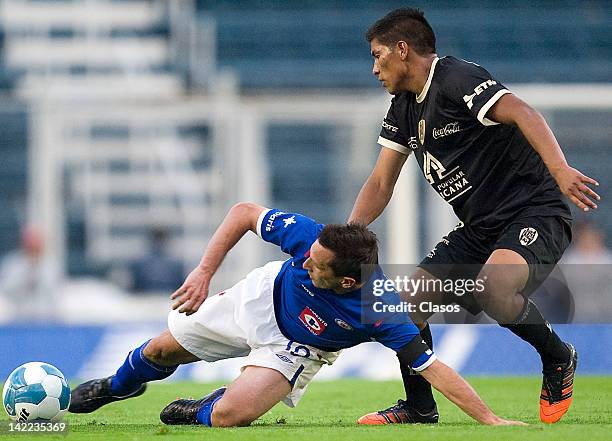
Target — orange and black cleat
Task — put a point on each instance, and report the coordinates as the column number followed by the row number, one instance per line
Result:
column 400, row 413
column 557, row 388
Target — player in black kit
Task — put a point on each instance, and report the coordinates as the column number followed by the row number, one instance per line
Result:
column 496, row 161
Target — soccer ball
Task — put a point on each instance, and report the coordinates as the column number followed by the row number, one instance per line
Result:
column 36, row 391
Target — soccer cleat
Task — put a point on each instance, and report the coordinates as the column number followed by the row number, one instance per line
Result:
column 557, row 388
column 94, row 394
column 400, row 413
column 184, row 411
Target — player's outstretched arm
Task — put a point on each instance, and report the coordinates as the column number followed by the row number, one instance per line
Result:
column 241, row 218
column 457, row 390
column 378, row 189
column 511, row 110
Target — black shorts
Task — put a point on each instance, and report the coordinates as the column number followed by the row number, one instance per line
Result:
column 541, row 241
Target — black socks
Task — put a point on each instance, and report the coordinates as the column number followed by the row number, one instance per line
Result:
column 531, row 326
column 418, row 390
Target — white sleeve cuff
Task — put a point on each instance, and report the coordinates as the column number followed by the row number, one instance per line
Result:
column 260, row 221
column 393, row 145
column 484, row 109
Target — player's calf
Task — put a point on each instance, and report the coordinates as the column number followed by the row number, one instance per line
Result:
column 251, row 395
column 156, row 359
column 226, row 415
column 500, row 298
column 211, row 410
column 164, row 350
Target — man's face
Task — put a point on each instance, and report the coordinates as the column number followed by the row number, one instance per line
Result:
column 319, row 269
column 388, row 66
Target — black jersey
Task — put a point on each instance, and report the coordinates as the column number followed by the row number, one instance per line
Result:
column 487, row 171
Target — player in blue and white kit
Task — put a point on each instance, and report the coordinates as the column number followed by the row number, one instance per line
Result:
column 287, row 318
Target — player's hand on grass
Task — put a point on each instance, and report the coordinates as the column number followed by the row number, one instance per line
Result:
column 192, row 293
column 503, row 422
column 575, row 186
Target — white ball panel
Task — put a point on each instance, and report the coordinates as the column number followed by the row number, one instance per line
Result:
column 59, row 416
column 31, row 364
column 34, row 373
column 26, row 412
column 52, row 385
column 48, row 408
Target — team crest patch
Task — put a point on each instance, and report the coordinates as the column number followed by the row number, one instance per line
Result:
column 343, row 324
column 422, row 131
column 527, row 236
column 312, row 321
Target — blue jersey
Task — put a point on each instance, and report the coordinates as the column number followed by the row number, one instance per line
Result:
column 321, row 317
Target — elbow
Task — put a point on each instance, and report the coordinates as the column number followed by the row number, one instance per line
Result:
column 244, row 207
column 248, row 213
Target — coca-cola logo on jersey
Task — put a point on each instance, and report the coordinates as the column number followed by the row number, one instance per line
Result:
column 448, row 129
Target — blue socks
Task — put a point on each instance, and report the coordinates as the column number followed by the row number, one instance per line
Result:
column 136, row 370
column 205, row 413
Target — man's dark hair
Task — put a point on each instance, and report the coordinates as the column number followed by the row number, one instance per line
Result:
column 405, row 24
column 353, row 245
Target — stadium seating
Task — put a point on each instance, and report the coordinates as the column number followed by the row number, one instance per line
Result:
column 274, row 45
column 94, row 50
column 315, row 44
column 321, row 44
column 66, row 47
column 13, row 173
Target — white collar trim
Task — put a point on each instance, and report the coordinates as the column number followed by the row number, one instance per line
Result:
column 423, row 94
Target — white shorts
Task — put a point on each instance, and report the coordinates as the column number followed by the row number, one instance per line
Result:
column 240, row 322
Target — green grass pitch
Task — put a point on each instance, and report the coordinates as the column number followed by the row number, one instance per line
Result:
column 329, row 409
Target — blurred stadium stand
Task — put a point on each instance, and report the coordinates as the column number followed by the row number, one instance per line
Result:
column 13, row 172
column 138, row 104
column 320, row 44
column 73, row 48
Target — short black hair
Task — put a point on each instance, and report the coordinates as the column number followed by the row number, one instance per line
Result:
column 405, row 24
column 353, row 245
